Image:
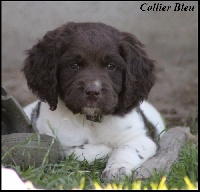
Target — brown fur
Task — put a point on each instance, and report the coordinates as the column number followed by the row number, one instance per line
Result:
column 93, row 46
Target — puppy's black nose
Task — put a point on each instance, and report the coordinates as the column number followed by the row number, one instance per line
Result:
column 92, row 94
column 93, row 90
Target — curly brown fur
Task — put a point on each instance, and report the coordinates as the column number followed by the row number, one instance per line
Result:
column 95, row 48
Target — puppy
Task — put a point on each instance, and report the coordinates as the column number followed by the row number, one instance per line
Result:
column 92, row 82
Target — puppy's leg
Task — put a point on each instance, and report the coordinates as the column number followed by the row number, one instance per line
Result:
column 90, row 152
column 129, row 156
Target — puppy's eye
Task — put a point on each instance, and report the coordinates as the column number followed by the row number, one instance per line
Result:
column 74, row 66
column 110, row 67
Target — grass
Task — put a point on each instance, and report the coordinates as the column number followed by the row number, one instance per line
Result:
column 187, row 165
column 71, row 173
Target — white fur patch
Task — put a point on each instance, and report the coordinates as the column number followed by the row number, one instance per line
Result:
column 124, row 139
column 29, row 108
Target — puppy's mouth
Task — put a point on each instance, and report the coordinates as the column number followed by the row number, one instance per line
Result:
column 92, row 114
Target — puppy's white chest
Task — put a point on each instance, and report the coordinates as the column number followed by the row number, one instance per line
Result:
column 75, row 130
column 113, row 130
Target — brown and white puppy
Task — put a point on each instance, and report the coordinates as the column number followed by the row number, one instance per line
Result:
column 95, row 79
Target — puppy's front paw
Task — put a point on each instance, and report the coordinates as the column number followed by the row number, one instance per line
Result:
column 117, row 171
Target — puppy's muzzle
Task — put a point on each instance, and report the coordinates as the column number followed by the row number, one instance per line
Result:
column 92, row 114
column 92, row 94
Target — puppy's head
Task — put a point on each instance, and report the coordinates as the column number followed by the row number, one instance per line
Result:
column 94, row 68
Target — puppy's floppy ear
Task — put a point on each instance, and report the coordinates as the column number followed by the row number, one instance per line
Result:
column 40, row 68
column 139, row 75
